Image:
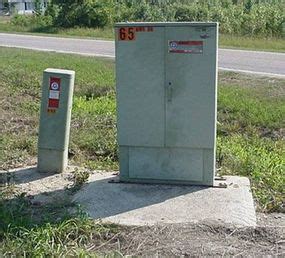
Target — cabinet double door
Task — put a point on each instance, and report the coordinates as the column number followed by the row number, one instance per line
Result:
column 166, row 88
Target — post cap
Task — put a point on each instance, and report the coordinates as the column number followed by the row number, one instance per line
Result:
column 60, row 72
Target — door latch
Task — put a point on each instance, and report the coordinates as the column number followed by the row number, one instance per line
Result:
column 169, row 92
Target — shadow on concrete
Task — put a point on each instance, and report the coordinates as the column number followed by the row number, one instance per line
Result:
column 22, row 176
column 103, row 199
column 100, row 198
column 141, row 204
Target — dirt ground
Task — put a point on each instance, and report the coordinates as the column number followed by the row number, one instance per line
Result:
column 164, row 240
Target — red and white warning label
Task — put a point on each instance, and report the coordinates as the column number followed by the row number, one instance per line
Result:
column 54, row 93
column 185, row 47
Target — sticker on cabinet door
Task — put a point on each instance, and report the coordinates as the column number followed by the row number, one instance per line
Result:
column 129, row 33
column 185, row 47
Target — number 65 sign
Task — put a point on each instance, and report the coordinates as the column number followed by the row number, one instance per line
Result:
column 127, row 33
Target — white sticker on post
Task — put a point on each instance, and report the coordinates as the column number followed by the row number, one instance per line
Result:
column 53, row 94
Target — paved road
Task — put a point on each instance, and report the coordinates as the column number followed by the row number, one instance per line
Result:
column 256, row 62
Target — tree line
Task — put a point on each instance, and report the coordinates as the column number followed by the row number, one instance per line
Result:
column 239, row 17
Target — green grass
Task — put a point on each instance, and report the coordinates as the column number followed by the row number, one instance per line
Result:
column 225, row 41
column 252, row 43
column 251, row 133
column 54, row 233
column 107, row 33
column 20, row 88
column 259, row 107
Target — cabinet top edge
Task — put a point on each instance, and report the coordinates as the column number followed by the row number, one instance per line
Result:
column 167, row 24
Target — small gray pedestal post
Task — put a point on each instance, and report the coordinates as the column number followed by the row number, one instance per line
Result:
column 55, row 116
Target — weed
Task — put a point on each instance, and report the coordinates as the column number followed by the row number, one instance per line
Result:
column 80, row 176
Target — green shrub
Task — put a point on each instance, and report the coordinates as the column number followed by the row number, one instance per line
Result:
column 123, row 13
column 191, row 13
column 32, row 20
column 52, row 10
column 21, row 20
column 230, row 19
column 86, row 14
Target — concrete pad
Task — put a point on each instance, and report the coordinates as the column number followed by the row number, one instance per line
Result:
column 142, row 204
column 43, row 188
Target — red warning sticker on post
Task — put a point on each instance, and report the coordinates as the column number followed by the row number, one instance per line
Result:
column 54, row 93
column 185, row 47
column 54, row 83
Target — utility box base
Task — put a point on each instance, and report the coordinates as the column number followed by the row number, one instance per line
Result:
column 166, row 84
column 52, row 161
column 165, row 165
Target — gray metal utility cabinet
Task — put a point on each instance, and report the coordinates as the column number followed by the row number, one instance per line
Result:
column 167, row 100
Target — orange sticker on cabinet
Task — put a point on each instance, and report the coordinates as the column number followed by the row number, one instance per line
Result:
column 127, row 33
column 50, row 110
